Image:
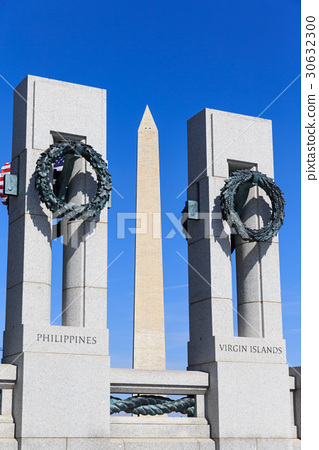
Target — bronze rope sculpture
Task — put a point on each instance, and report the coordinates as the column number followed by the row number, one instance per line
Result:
column 153, row 405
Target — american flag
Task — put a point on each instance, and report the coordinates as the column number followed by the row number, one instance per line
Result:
column 58, row 164
column 5, row 169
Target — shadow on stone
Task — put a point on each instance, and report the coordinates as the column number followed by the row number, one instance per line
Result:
column 254, row 256
column 81, row 234
column 217, row 226
column 36, row 211
column 257, row 206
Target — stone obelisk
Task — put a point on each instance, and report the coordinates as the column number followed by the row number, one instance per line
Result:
column 149, row 336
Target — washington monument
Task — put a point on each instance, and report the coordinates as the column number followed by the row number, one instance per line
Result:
column 149, row 335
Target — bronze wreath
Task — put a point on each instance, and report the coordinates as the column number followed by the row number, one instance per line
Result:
column 234, row 194
column 45, row 189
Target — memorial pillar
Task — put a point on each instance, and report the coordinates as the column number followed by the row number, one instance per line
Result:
column 61, row 398
column 248, row 402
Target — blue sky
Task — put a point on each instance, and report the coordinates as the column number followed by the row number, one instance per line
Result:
column 178, row 57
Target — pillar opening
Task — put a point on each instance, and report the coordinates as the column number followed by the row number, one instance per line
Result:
column 234, row 293
column 243, row 310
column 60, row 239
column 56, row 275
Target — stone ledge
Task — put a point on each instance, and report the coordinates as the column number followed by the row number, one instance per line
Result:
column 160, row 444
column 109, row 444
column 161, row 430
column 135, row 381
column 8, row 372
column 157, row 420
column 6, row 430
column 8, row 444
column 258, row 444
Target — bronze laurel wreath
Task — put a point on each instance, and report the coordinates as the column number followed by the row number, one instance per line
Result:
column 44, row 186
column 229, row 213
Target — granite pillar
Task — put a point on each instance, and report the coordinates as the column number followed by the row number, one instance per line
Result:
column 248, row 403
column 63, row 386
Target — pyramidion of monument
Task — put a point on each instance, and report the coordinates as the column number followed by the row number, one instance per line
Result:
column 57, row 388
column 147, row 122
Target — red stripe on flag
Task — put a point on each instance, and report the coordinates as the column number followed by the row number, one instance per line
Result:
column 5, row 169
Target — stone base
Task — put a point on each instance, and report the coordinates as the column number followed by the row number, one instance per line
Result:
column 249, row 401
column 61, row 396
column 6, row 428
column 249, row 395
column 147, row 444
column 161, row 444
column 159, row 427
column 62, row 390
column 8, row 444
column 113, row 444
column 160, row 432
column 63, row 444
column 258, row 444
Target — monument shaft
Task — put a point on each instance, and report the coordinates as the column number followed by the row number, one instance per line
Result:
column 149, row 336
